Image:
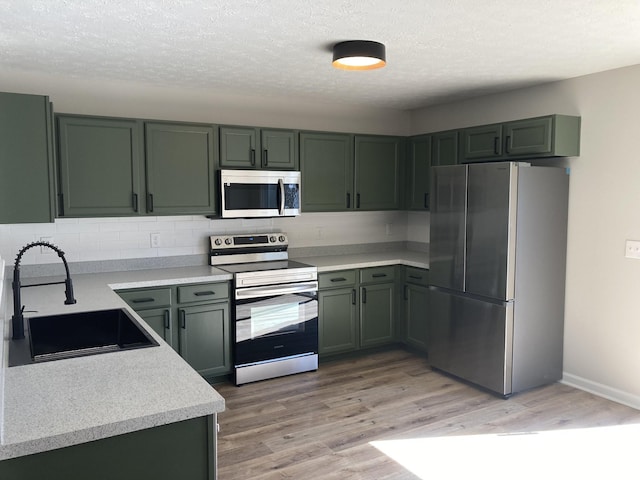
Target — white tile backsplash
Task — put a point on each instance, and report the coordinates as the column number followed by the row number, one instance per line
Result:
column 89, row 239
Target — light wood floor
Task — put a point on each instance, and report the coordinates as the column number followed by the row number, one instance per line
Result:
column 318, row 425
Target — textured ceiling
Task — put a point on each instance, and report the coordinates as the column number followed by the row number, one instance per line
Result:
column 437, row 50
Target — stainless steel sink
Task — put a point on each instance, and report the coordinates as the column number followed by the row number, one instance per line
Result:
column 78, row 334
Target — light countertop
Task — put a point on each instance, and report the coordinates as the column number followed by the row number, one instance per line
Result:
column 66, row 402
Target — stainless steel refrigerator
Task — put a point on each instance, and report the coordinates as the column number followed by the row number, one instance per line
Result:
column 498, row 237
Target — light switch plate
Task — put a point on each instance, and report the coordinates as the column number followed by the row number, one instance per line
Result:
column 632, row 249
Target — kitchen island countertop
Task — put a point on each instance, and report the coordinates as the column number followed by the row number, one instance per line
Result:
column 66, row 402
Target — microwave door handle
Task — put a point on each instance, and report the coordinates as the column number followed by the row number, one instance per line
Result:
column 281, row 190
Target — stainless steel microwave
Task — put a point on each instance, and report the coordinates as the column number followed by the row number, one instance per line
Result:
column 259, row 193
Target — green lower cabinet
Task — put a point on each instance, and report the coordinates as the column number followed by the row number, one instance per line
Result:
column 205, row 338
column 415, row 307
column 377, row 303
column 193, row 319
column 184, row 450
column 338, row 313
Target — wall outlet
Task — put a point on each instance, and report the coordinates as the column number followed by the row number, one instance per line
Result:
column 45, row 250
column 155, row 240
column 632, row 249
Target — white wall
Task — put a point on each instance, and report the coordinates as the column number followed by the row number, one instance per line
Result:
column 602, row 321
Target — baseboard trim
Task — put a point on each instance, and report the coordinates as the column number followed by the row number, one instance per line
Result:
column 601, row 390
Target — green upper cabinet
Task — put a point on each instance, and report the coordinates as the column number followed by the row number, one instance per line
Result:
column 378, row 172
column 445, row 148
column 26, row 159
column 121, row 167
column 249, row 148
column 99, row 166
column 180, row 161
column 548, row 136
column 417, row 178
column 326, row 163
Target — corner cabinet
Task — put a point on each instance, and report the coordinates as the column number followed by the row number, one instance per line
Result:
column 193, row 319
column 125, row 167
column 254, row 148
column 26, row 159
column 540, row 137
column 326, row 164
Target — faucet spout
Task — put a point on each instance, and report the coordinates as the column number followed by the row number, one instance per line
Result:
column 17, row 321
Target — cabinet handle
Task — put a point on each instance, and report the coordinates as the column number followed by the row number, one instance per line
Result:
column 143, row 300
column 364, row 295
column 252, row 154
column 506, row 144
column 150, row 202
column 338, row 279
column 265, row 158
column 348, row 200
column 60, row 204
column 426, row 200
column 353, row 296
column 496, row 145
column 357, row 200
column 134, row 199
column 167, row 320
column 406, row 292
column 183, row 319
column 207, row 292
column 379, row 275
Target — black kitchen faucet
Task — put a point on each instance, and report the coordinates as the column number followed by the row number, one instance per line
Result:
column 17, row 321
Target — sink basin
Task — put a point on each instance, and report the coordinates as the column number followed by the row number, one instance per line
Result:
column 78, row 334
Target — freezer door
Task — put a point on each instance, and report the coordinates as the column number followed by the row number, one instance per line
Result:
column 471, row 339
column 447, row 226
column 491, row 215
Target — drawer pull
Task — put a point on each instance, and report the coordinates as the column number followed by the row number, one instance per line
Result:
column 339, row 279
column 206, row 292
column 379, row 275
column 143, row 300
column 415, row 277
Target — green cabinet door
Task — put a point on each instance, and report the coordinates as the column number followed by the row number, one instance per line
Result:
column 238, row 147
column 528, row 137
column 326, row 164
column 444, row 148
column 26, row 159
column 482, row 143
column 180, row 161
column 338, row 320
column 377, row 172
column 279, row 149
column 417, row 178
column 99, row 166
column 205, row 338
column 416, row 307
column 377, row 314
column 161, row 321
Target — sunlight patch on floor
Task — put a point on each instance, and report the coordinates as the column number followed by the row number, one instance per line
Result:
column 589, row 453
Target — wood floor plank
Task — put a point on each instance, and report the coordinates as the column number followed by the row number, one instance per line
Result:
column 322, row 425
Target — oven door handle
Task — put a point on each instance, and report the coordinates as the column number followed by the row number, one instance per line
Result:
column 281, row 190
column 271, row 290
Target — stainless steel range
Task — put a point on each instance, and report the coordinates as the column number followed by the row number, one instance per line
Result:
column 275, row 306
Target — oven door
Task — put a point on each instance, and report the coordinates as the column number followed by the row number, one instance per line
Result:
column 246, row 194
column 275, row 322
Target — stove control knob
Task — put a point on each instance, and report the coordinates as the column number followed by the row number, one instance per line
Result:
column 227, row 241
column 281, row 238
column 218, row 242
column 272, row 238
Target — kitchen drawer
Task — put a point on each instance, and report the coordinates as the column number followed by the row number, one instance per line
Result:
column 147, row 298
column 417, row 276
column 203, row 292
column 337, row 279
column 377, row 274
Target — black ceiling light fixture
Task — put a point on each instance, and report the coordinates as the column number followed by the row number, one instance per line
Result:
column 359, row 55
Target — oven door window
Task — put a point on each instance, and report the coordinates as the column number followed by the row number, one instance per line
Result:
column 276, row 326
